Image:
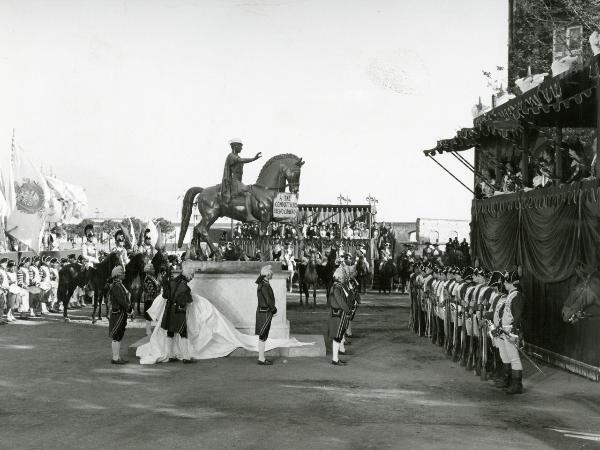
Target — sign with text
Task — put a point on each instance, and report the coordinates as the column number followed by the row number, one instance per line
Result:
column 285, row 206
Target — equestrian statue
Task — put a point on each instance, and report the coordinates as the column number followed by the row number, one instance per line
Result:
column 234, row 199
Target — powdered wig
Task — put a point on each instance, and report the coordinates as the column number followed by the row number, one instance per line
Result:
column 266, row 270
column 188, row 271
column 340, row 275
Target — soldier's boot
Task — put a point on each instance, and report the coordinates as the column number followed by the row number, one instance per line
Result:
column 249, row 216
column 505, row 381
column 516, row 383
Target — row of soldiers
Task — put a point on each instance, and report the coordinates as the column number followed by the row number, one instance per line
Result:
column 28, row 285
column 475, row 315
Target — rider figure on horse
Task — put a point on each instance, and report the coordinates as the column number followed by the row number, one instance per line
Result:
column 89, row 252
column 232, row 184
column 147, row 248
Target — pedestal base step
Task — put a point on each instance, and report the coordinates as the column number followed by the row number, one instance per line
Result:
column 315, row 350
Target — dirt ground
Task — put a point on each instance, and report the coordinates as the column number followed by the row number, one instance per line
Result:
column 59, row 390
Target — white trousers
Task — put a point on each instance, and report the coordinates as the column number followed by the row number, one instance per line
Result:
column 509, row 354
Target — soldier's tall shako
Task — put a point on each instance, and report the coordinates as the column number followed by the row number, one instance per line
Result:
column 120, row 308
column 339, row 314
column 178, row 297
column 265, row 311
column 510, row 323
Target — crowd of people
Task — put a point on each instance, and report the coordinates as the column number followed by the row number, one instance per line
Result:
column 475, row 316
column 321, row 230
column 576, row 166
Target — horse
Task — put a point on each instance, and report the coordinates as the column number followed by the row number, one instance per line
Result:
column 134, row 277
column 74, row 275
column 583, row 301
column 403, row 265
column 325, row 272
column 309, row 278
column 97, row 277
column 387, row 271
column 362, row 274
column 277, row 173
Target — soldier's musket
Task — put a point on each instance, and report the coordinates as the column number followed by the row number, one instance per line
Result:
column 471, row 356
column 513, row 337
column 484, row 345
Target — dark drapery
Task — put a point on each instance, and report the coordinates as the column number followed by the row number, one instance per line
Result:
column 547, row 232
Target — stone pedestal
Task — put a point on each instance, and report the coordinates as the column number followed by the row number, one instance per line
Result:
column 230, row 286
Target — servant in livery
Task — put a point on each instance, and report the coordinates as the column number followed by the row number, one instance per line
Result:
column 264, row 312
column 120, row 249
column 151, row 290
column 233, row 171
column 178, row 296
column 510, row 326
column 120, row 308
column 339, row 316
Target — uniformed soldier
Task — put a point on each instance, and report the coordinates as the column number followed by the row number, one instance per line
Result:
column 178, row 297
column 120, row 308
column 3, row 290
column 54, row 268
column 265, row 311
column 510, row 323
column 14, row 291
column 23, row 282
column 147, row 248
column 120, row 249
column 233, row 171
column 45, row 285
column 501, row 375
column 89, row 251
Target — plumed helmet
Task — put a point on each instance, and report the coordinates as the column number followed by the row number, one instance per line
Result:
column 497, row 279
column 89, row 226
column 512, row 277
column 467, row 273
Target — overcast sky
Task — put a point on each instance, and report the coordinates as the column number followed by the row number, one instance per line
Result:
column 136, row 100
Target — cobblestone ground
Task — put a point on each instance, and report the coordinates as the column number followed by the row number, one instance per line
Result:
column 59, row 390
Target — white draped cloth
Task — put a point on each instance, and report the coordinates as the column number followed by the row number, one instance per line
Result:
column 210, row 335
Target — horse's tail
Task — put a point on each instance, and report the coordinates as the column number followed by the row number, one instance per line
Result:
column 186, row 211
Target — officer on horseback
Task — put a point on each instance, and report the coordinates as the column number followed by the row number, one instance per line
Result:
column 89, row 252
column 231, row 184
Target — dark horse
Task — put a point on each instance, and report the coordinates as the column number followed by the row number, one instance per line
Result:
column 387, row 271
column 308, row 276
column 326, row 271
column 74, row 275
column 134, row 277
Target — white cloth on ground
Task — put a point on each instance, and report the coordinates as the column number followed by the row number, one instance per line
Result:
column 210, row 335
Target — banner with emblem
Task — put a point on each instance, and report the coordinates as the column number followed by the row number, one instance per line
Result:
column 30, row 193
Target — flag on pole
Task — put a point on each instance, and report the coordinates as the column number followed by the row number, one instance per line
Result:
column 29, row 192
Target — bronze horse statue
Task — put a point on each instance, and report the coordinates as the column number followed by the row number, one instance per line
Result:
column 279, row 172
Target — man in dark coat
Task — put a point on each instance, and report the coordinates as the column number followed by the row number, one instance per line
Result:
column 174, row 318
column 264, row 312
column 120, row 308
column 339, row 317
